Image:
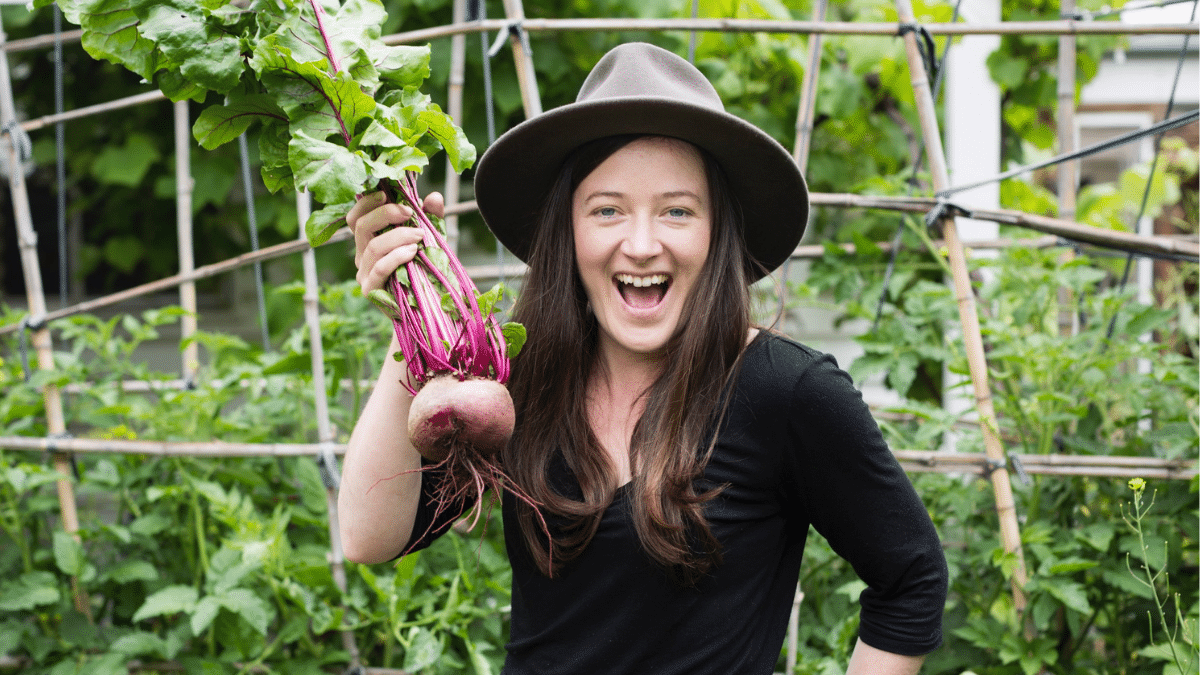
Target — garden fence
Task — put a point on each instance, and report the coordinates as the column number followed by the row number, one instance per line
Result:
column 994, row 464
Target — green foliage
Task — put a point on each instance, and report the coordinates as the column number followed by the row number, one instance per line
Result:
column 1180, row 649
column 1026, row 69
column 1071, row 372
column 219, row 565
column 303, row 73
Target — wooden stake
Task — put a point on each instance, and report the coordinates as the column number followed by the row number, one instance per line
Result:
column 325, row 432
column 1068, row 172
column 1001, row 486
column 35, row 294
column 454, row 107
column 917, row 461
column 804, row 127
column 184, row 186
column 526, row 77
column 808, row 92
column 803, row 27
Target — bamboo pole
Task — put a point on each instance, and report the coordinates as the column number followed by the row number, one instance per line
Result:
column 88, row 111
column 734, row 25
column 1183, row 246
column 1001, row 486
column 184, row 186
column 41, row 41
column 917, row 461
column 808, row 92
column 1189, row 247
column 1052, row 27
column 526, row 76
column 454, row 107
column 804, row 128
column 326, row 455
column 1067, row 172
column 802, row 27
column 36, row 297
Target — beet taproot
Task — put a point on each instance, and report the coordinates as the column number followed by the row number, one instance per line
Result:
column 474, row 413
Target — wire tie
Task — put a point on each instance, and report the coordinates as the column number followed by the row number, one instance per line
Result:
column 515, row 29
column 327, row 464
column 945, row 209
column 52, row 450
column 52, row 441
column 20, row 139
column 28, row 323
column 31, row 322
column 1019, row 467
column 991, row 466
column 925, row 46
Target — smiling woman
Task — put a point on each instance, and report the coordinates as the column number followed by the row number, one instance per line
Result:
column 641, row 224
column 675, row 454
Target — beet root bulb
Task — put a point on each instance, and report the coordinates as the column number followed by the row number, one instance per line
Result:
column 475, row 413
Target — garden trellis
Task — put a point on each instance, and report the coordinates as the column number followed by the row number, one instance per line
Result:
column 995, row 463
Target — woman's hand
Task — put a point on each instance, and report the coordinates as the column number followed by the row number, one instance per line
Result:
column 381, row 478
column 378, row 254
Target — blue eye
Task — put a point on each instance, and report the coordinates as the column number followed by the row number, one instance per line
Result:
column 607, row 211
column 677, row 213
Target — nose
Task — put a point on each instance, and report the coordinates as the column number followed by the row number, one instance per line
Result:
column 641, row 241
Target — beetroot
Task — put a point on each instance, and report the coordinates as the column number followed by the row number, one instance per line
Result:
column 474, row 413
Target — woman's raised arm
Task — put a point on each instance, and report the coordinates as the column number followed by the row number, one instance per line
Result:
column 380, row 488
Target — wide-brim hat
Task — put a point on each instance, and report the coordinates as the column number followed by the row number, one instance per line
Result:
column 638, row 88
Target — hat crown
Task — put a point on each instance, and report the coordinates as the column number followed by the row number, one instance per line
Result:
column 641, row 70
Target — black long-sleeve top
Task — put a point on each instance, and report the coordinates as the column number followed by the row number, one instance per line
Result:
column 797, row 448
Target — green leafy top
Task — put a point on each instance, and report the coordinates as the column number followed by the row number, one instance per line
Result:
column 340, row 110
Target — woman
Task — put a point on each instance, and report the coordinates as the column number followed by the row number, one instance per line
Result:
column 679, row 454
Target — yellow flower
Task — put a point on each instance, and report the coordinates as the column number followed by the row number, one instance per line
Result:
column 1137, row 484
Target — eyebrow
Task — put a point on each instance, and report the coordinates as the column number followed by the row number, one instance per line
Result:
column 666, row 195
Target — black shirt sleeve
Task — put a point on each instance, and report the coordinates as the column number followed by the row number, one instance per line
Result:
column 854, row 492
column 434, row 516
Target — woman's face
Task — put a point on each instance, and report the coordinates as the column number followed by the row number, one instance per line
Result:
column 642, row 223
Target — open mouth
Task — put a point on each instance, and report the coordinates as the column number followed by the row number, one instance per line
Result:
column 642, row 292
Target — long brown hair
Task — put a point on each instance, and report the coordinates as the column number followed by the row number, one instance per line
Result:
column 675, row 435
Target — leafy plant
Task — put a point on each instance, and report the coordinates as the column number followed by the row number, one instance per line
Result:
column 1180, row 649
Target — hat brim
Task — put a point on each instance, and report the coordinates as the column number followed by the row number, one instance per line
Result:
column 515, row 174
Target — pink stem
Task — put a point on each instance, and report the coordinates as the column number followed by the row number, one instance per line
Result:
column 432, row 340
column 334, row 62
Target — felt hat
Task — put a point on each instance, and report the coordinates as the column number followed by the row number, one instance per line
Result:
column 638, row 88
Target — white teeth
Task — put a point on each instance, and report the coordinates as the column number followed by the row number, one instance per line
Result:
column 641, row 282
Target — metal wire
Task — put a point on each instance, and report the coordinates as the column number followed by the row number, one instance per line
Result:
column 1117, row 141
column 1112, row 324
column 692, row 36
column 252, row 219
column 60, row 167
column 1086, row 15
column 939, row 68
column 477, row 10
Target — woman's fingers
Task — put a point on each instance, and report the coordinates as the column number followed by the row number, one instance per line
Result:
column 384, row 253
column 378, row 250
column 435, row 204
column 378, row 215
column 364, row 204
column 373, row 277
